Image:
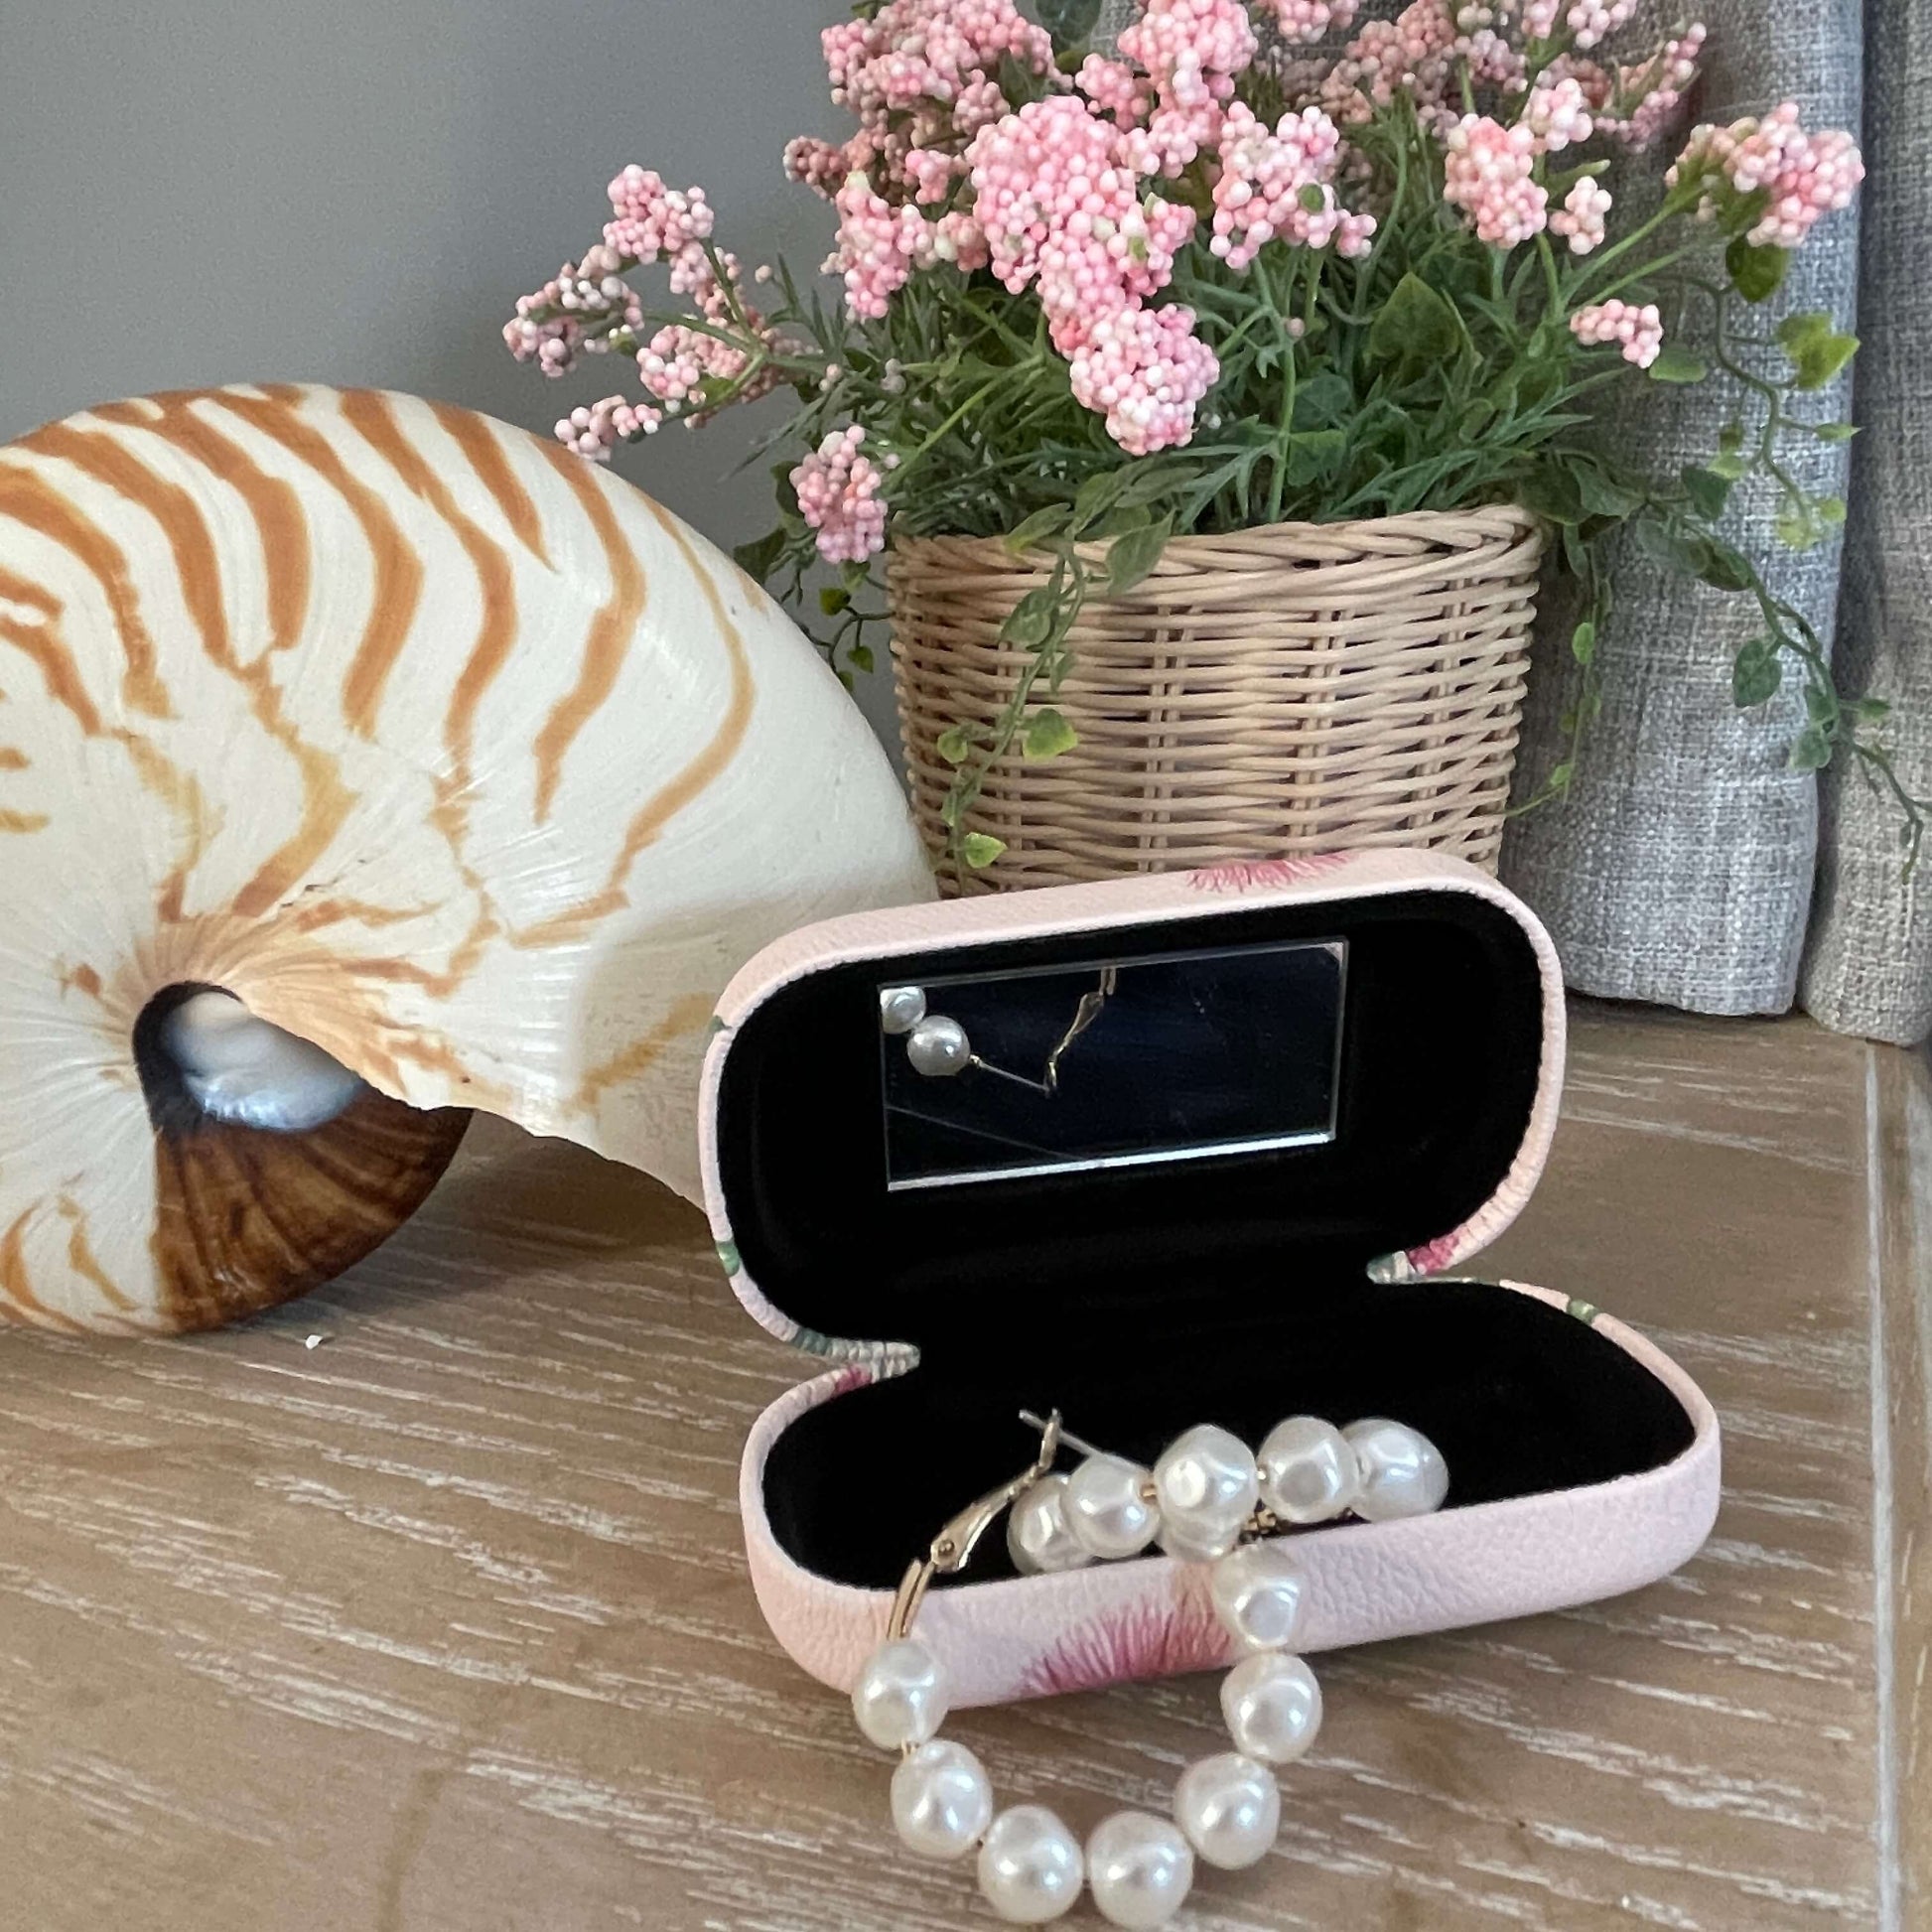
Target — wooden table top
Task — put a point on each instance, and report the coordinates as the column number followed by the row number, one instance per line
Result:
column 443, row 1623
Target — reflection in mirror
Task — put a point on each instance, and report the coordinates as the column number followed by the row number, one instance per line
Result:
column 1113, row 1063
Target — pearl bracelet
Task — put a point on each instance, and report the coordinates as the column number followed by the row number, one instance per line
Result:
column 1208, row 1499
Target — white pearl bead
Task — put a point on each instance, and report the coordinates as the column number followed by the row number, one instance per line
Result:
column 1257, row 1592
column 1139, row 1867
column 1207, row 1486
column 901, row 1696
column 1272, row 1707
column 1230, row 1807
column 1403, row 1472
column 1107, row 1508
column 1029, row 1868
column 901, row 1007
column 1038, row 1538
column 938, row 1047
column 1308, row 1471
column 942, row 1800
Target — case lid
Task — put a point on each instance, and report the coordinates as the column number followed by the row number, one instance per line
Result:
column 1186, row 1098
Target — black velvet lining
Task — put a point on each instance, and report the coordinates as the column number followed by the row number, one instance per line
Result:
column 1519, row 1396
column 1141, row 1300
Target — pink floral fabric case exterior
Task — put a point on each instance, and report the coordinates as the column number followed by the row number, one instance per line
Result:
column 1040, row 1635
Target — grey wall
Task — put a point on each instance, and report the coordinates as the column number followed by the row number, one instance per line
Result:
column 356, row 192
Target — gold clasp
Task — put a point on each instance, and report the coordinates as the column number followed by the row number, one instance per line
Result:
column 950, row 1551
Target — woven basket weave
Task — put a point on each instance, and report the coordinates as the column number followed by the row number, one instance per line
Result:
column 1299, row 688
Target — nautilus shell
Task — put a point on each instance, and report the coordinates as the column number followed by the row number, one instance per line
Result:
column 346, row 722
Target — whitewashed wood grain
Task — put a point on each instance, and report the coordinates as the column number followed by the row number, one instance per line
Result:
column 443, row 1624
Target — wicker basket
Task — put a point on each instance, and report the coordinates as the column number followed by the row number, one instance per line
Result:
column 1299, row 688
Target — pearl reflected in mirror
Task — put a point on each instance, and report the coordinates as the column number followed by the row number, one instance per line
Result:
column 901, row 1007
column 939, row 1047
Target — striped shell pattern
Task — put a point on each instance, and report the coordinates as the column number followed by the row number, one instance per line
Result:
column 428, row 742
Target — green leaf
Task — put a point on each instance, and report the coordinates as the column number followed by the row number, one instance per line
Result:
column 832, row 599
column 1314, row 453
column 1583, row 642
column 1830, row 510
column 1069, row 22
column 1048, row 735
column 1322, row 401
column 1475, row 419
column 1708, row 490
column 1553, row 494
column 781, row 483
column 1811, row 749
column 1313, row 199
column 861, row 658
column 1724, row 568
column 759, row 558
column 1728, row 465
column 1818, row 351
column 1757, row 273
column 1821, row 704
column 1675, row 363
column 1132, row 555
column 1416, row 328
column 980, row 849
column 1031, row 621
column 1866, row 711
column 1097, row 495
column 1561, row 776
column 1046, row 523
column 1796, row 528
column 954, row 745
column 1757, row 673
column 1601, row 495
column 1835, row 432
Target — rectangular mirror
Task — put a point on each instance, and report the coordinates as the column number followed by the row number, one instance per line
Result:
column 1116, row 1062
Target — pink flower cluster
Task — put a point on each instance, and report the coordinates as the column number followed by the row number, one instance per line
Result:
column 838, row 496
column 1058, row 198
column 1280, row 184
column 1805, row 175
column 1556, row 113
column 596, row 431
column 1486, row 172
column 1580, row 218
column 1586, row 21
column 1309, row 20
column 1413, row 54
column 1145, row 369
column 1639, row 330
column 568, row 316
column 652, row 222
column 913, row 52
column 1192, row 49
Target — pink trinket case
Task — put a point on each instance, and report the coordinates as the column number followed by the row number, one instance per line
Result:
column 1302, row 1091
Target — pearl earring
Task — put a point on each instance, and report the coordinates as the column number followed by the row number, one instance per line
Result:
column 1209, row 1499
column 937, row 1046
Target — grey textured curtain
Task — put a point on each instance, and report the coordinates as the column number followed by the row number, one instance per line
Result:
column 1868, row 969
column 1680, row 868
